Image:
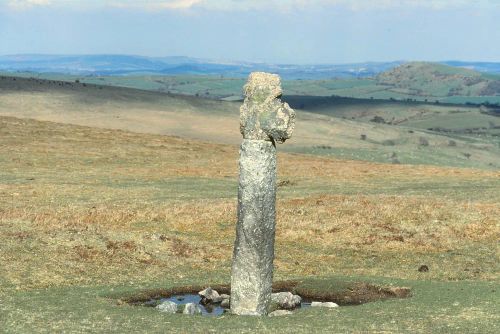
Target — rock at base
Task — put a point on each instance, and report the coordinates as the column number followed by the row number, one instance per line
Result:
column 279, row 313
column 286, row 300
column 209, row 295
column 192, row 309
column 225, row 303
column 325, row 304
column 167, row 307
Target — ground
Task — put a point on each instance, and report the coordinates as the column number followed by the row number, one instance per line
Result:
column 88, row 216
column 465, row 136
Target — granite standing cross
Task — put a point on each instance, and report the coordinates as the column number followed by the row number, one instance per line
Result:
column 264, row 121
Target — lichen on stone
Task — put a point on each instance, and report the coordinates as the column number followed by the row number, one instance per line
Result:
column 263, row 116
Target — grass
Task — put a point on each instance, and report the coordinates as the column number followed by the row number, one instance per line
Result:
column 88, row 215
column 456, row 307
column 415, row 81
column 455, row 121
column 334, row 123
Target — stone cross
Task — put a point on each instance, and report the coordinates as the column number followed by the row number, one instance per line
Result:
column 264, row 121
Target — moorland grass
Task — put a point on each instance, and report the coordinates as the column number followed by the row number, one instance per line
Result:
column 437, row 307
column 88, row 215
column 327, row 130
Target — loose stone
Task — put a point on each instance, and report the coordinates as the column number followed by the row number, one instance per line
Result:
column 209, row 295
column 225, row 303
column 167, row 307
column 286, row 300
column 192, row 309
column 324, row 304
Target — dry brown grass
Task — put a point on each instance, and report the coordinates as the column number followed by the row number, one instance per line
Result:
column 216, row 121
column 88, row 206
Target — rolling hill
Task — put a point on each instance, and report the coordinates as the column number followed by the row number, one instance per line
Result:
column 426, row 82
column 337, row 128
column 438, row 80
column 180, row 65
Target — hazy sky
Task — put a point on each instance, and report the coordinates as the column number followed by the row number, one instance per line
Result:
column 278, row 31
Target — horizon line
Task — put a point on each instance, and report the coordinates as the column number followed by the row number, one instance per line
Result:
column 241, row 61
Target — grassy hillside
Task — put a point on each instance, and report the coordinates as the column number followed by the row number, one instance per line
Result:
column 473, row 121
column 431, row 82
column 437, row 80
column 326, row 126
column 90, row 215
column 211, row 87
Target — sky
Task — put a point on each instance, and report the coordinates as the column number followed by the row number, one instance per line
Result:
column 273, row 31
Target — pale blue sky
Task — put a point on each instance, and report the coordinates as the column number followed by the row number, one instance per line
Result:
column 278, row 31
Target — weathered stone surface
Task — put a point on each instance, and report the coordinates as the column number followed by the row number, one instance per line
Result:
column 192, row 309
column 286, row 300
column 263, row 116
column 209, row 295
column 264, row 120
column 324, row 304
column 225, row 303
column 278, row 313
column 167, row 307
column 252, row 270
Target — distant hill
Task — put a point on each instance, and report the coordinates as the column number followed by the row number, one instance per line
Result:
column 134, row 65
column 420, row 81
column 439, row 80
column 424, row 82
column 179, row 65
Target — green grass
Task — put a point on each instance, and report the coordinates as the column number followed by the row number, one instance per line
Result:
column 455, row 121
column 472, row 99
column 414, row 81
column 437, row 307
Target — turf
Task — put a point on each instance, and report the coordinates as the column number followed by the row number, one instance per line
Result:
column 438, row 307
column 90, row 215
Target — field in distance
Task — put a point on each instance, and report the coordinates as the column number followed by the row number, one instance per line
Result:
column 371, row 130
column 426, row 82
